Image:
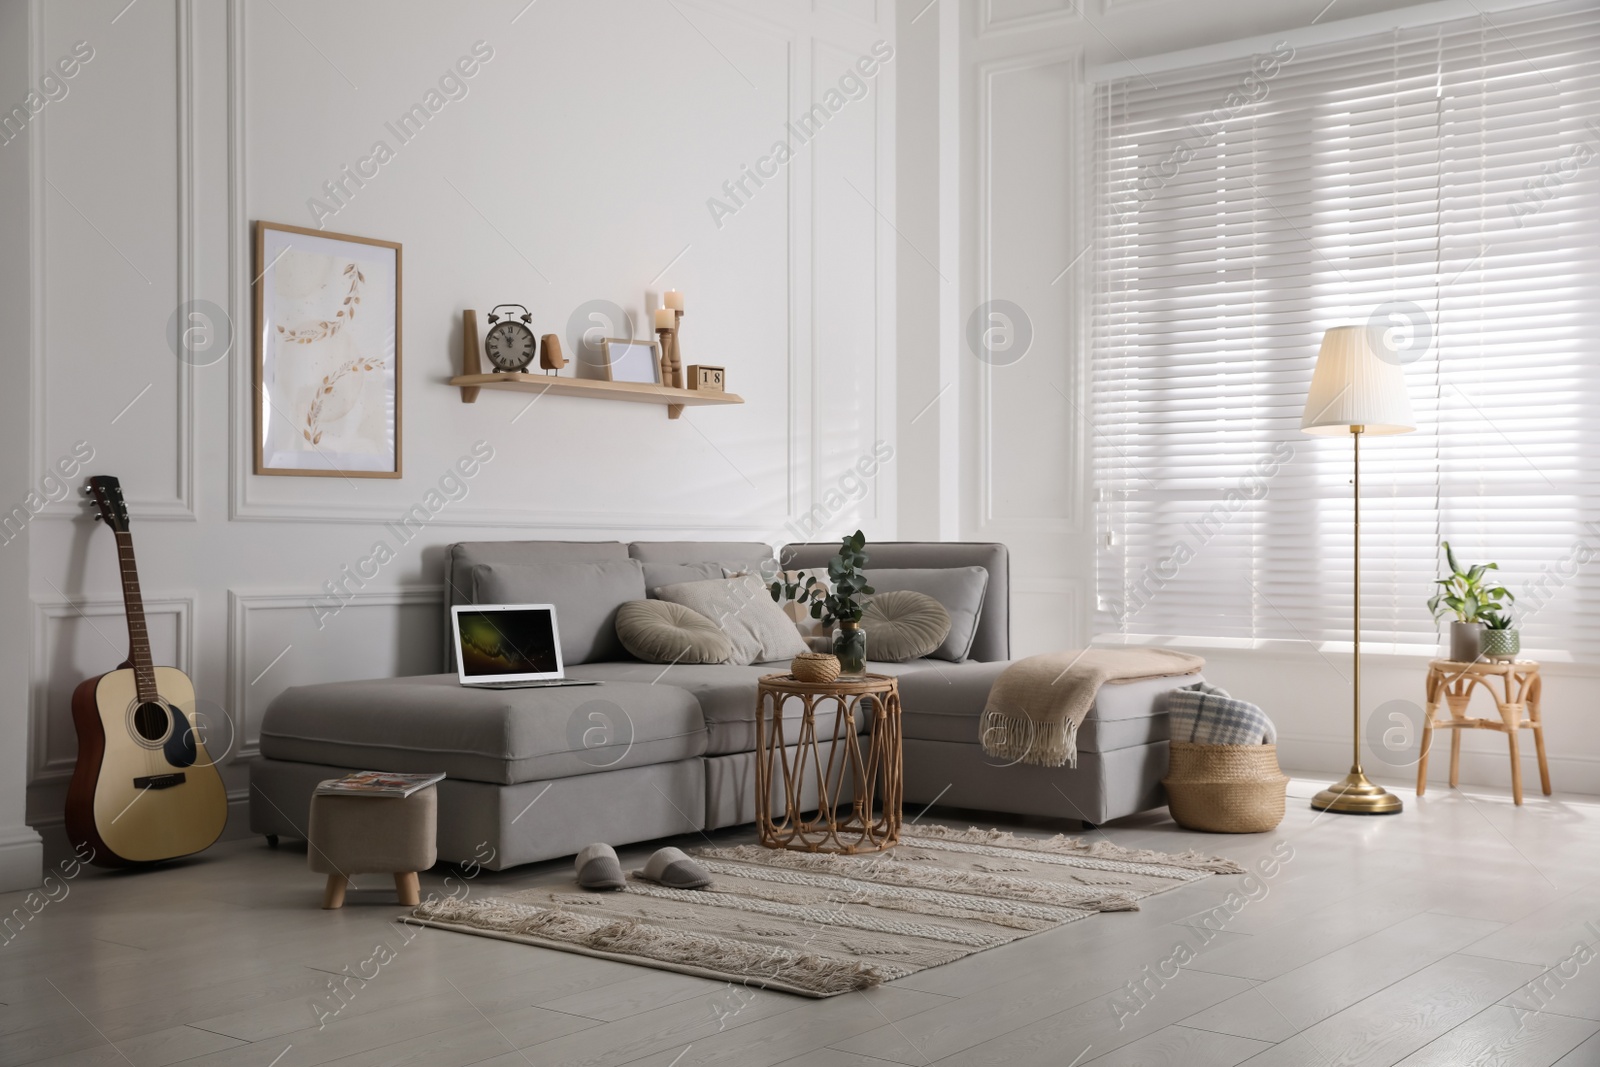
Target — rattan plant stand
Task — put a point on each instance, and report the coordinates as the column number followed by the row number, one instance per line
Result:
column 858, row 795
column 1517, row 704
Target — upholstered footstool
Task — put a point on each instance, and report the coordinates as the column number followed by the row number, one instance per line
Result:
column 373, row 835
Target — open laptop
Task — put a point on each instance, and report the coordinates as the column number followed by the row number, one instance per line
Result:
column 508, row 646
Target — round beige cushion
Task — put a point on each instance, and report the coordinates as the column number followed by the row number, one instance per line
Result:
column 903, row 625
column 659, row 631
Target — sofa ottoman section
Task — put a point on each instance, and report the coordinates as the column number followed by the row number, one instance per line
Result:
column 502, row 736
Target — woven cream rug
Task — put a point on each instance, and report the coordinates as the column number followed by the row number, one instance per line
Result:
column 820, row 925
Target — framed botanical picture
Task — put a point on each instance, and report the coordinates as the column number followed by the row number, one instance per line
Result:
column 327, row 354
column 631, row 361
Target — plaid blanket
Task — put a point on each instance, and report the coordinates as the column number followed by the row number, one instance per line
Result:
column 1203, row 714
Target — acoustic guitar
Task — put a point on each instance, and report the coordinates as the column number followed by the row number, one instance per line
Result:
column 144, row 788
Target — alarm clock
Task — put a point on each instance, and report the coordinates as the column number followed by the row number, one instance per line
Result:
column 510, row 343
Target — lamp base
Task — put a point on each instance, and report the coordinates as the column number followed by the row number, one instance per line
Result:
column 1357, row 795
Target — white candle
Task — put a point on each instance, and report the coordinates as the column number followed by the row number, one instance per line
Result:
column 673, row 299
column 666, row 318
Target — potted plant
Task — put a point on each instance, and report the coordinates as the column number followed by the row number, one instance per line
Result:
column 1500, row 639
column 843, row 604
column 1471, row 599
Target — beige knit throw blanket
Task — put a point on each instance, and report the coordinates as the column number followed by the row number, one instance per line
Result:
column 1038, row 703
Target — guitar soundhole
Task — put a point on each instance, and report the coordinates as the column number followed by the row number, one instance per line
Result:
column 150, row 720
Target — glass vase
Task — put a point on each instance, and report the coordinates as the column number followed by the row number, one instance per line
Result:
column 850, row 645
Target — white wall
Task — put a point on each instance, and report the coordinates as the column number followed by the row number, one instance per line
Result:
column 994, row 195
column 577, row 167
column 19, row 845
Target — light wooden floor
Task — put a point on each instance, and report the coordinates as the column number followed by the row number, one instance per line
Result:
column 1418, row 939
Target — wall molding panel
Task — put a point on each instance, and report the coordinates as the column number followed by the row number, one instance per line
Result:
column 994, row 21
column 992, row 521
column 246, row 671
column 45, row 767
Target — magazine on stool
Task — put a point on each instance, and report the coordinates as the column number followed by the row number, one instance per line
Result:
column 376, row 784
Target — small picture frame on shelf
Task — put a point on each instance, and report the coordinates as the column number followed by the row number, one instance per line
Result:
column 623, row 360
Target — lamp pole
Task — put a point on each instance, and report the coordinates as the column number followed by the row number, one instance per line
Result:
column 1357, row 794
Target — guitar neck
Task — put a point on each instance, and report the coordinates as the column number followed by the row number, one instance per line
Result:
column 144, row 671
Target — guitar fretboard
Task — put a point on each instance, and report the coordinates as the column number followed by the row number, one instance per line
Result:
column 144, row 672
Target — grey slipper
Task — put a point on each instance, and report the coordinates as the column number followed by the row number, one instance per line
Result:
column 599, row 868
column 675, row 870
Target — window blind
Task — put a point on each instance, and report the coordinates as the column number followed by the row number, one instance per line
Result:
column 1439, row 182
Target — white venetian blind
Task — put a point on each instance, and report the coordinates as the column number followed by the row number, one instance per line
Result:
column 1440, row 182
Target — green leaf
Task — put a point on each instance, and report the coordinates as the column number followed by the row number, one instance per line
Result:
column 1450, row 558
column 816, row 611
column 776, row 589
column 1476, row 572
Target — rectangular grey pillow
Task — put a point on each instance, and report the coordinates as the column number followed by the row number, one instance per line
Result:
column 959, row 589
column 586, row 596
column 746, row 612
column 659, row 574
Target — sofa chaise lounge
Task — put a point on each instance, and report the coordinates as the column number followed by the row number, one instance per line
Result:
column 657, row 751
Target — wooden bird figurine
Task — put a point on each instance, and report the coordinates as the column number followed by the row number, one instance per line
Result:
column 550, row 357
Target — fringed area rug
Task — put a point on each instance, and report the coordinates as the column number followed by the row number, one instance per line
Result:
column 819, row 925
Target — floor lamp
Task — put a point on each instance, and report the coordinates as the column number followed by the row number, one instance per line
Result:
column 1355, row 391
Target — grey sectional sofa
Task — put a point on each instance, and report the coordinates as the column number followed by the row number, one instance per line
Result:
column 657, row 751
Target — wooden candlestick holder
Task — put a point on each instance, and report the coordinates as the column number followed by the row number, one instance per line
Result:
column 677, row 353
column 665, row 334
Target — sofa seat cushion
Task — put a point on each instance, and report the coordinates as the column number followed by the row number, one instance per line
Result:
column 504, row 736
column 726, row 692
column 944, row 702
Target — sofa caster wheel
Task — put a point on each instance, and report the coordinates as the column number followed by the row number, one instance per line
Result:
column 272, row 840
column 1089, row 826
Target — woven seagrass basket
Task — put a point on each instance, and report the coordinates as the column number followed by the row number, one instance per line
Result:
column 1225, row 789
column 815, row 667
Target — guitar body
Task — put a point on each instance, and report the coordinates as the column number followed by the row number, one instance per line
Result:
column 144, row 788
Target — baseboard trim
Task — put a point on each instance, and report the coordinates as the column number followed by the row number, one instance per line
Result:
column 21, row 859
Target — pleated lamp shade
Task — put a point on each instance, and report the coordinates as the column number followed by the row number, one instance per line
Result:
column 1352, row 386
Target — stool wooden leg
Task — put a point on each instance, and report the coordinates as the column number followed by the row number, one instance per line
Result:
column 1538, row 734
column 1513, row 717
column 1455, row 758
column 333, row 893
column 1427, row 746
column 407, row 888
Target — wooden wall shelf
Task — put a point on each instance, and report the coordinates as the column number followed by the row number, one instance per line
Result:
column 595, row 389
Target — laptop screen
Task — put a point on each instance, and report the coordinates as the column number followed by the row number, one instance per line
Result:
column 506, row 642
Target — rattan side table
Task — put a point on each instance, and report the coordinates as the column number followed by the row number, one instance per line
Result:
column 1521, row 685
column 849, row 784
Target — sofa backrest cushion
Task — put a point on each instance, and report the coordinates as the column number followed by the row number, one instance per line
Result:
column 657, row 575
column 992, row 641
column 732, row 554
column 586, row 596
column 460, row 558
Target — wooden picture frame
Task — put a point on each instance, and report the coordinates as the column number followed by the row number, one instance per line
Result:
column 327, row 396
column 624, row 360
